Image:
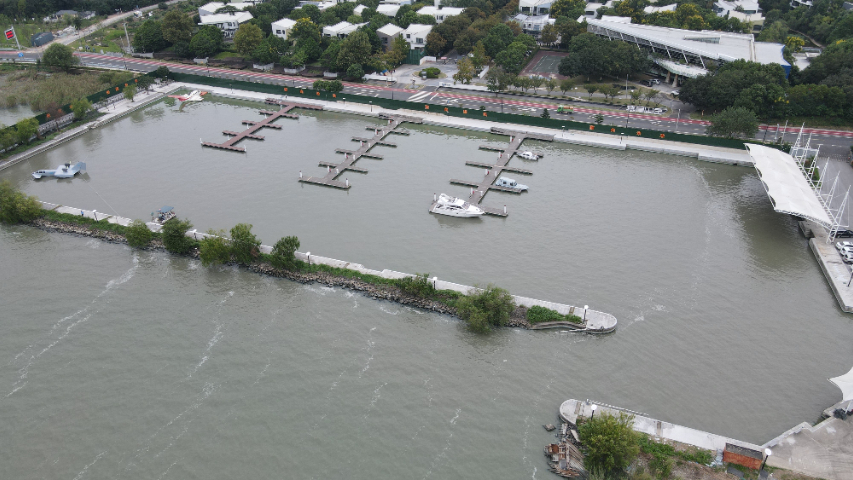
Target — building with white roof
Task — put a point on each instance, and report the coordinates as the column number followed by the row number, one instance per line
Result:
column 387, row 34
column 535, row 7
column 387, row 10
column 395, row 2
column 801, row 3
column 591, row 9
column 747, row 11
column 651, row 9
column 416, row 35
column 685, row 53
column 440, row 13
column 212, row 7
column 227, row 22
column 341, row 29
column 281, row 28
column 533, row 25
column 323, row 6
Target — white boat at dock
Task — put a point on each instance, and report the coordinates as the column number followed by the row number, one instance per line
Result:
column 63, row 171
column 455, row 207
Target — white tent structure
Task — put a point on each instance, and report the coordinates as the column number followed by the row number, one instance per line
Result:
column 787, row 187
column 845, row 383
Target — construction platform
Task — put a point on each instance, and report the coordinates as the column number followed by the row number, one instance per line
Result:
column 249, row 133
column 334, row 170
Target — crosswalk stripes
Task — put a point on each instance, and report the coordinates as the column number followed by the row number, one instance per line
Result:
column 418, row 96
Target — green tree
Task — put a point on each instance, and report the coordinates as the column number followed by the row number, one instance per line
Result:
column 774, row 32
column 162, row 72
column 214, row 248
column 81, row 107
column 355, row 71
column 568, row 8
column 609, row 443
column 269, row 50
column 245, row 246
column 498, row 38
column 247, row 38
column 149, row 37
column 480, row 59
column 545, row 113
column 599, row 118
column 435, row 43
column 590, row 88
column 8, row 139
column 305, row 29
column 177, row 27
column 144, row 82
column 794, row 44
column 25, row 129
column 15, row 206
column 355, row 50
column 137, row 234
column 206, row 42
column 549, row 34
column 551, row 84
column 283, row 252
column 334, row 86
column 130, row 92
column 566, row 85
column 512, row 58
column 734, row 122
column 485, row 309
column 465, row 72
column 60, row 56
column 174, row 235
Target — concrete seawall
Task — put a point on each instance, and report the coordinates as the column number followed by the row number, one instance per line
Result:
column 837, row 274
column 595, row 321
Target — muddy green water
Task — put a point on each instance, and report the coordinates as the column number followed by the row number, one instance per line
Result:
column 123, row 364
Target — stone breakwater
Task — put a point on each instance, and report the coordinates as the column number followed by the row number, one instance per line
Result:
column 378, row 292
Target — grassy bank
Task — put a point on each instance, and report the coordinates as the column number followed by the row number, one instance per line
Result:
column 43, row 91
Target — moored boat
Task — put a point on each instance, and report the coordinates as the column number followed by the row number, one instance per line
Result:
column 455, row 207
column 63, row 171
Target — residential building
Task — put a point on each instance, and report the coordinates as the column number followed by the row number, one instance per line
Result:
column 281, row 28
column 801, row 3
column 687, row 53
column 387, row 34
column 533, row 25
column 321, row 5
column 389, row 10
column 591, row 9
column 416, row 35
column 747, row 11
column 227, row 22
column 440, row 13
column 667, row 8
column 535, row 7
column 212, row 7
column 395, row 2
column 341, row 29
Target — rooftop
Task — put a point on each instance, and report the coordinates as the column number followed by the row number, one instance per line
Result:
column 389, row 30
column 440, row 11
column 238, row 17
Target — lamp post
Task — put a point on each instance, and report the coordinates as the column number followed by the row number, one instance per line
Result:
column 593, row 407
column 677, row 119
column 371, row 105
column 767, row 453
column 564, row 131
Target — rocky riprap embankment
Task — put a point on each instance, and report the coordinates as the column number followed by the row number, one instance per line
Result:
column 379, row 292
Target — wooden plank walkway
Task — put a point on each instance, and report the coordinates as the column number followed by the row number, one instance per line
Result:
column 493, row 171
column 255, row 126
column 334, row 170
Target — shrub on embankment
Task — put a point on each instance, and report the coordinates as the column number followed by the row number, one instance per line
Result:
column 137, row 234
column 174, row 235
column 537, row 314
column 16, row 206
column 487, row 308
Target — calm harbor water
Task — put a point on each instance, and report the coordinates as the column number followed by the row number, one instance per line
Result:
column 12, row 115
column 123, row 364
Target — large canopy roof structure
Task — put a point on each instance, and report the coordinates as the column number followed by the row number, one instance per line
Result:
column 787, row 187
column 845, row 383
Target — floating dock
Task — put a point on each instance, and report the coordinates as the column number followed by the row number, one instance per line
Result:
column 334, row 170
column 255, row 126
column 493, row 171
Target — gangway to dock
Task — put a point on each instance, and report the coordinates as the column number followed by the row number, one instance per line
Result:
column 255, row 126
column 335, row 170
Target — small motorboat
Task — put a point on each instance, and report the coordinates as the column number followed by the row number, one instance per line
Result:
column 455, row 207
column 63, row 171
column 528, row 155
column 194, row 96
column 163, row 215
column 509, row 183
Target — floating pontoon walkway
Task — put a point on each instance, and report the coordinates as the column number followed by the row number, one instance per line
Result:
column 334, row 170
column 255, row 126
column 493, row 171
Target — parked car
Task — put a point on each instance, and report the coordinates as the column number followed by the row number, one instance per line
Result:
column 847, row 258
column 647, row 83
column 676, row 93
column 844, row 234
column 841, row 245
column 655, row 81
column 658, row 111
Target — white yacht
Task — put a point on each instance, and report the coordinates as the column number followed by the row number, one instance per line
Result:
column 455, row 207
column 63, row 171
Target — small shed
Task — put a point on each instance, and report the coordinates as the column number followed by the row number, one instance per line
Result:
column 743, row 456
column 40, row 39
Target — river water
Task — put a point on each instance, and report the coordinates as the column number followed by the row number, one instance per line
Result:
column 124, row 364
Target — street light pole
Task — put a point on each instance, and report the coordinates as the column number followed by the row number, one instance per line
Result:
column 677, row 119
column 593, row 407
column 767, row 453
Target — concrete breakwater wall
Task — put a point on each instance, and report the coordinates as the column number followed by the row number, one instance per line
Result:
column 593, row 321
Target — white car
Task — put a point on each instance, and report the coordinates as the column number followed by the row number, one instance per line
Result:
column 841, row 245
column 528, row 155
column 676, row 93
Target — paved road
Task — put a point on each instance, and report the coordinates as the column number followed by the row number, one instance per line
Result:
column 835, row 142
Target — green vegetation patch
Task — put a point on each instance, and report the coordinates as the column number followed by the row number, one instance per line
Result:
column 660, row 451
column 537, row 314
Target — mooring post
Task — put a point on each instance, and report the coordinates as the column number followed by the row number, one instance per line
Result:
column 328, row 169
column 337, row 171
column 300, row 174
column 504, row 209
column 435, row 199
column 347, row 180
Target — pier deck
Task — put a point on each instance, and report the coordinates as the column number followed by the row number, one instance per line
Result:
column 493, row 171
column 255, row 126
column 334, row 170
